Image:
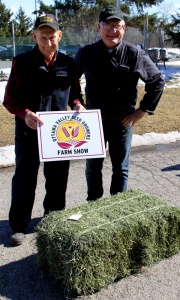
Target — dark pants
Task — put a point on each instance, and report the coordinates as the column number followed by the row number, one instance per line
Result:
column 24, row 180
column 119, row 141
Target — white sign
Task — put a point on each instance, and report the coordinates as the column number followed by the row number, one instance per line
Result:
column 68, row 135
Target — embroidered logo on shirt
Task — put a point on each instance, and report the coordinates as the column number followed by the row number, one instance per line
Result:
column 61, row 73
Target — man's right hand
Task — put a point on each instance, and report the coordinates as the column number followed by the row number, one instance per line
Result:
column 79, row 108
column 31, row 120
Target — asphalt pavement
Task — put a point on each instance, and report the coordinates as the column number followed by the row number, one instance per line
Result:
column 155, row 170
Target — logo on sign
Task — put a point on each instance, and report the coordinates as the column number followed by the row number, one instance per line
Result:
column 70, row 133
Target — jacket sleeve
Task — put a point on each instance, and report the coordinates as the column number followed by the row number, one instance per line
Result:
column 154, row 83
column 11, row 100
column 75, row 94
column 78, row 62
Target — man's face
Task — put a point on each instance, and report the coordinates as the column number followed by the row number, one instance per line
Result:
column 111, row 32
column 47, row 40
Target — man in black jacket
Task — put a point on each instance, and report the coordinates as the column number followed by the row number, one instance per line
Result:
column 112, row 68
column 40, row 79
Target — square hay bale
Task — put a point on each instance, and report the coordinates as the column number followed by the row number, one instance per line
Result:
column 113, row 238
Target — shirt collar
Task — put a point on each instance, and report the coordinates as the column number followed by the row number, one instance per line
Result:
column 43, row 59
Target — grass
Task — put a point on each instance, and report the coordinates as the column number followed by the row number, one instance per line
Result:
column 166, row 118
column 6, row 127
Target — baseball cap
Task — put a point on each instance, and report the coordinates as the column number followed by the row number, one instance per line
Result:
column 47, row 20
column 110, row 12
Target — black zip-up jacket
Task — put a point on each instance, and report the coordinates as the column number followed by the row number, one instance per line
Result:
column 33, row 86
column 112, row 78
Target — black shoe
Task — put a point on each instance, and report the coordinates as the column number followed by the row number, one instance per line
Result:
column 17, row 238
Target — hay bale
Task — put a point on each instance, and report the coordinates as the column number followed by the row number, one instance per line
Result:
column 114, row 238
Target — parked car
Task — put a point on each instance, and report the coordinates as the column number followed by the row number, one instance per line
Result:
column 154, row 54
column 62, row 50
column 8, row 53
column 157, row 54
column 165, row 56
column 70, row 50
column 2, row 48
column 140, row 46
column 168, row 57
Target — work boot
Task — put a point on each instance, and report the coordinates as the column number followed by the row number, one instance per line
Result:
column 17, row 238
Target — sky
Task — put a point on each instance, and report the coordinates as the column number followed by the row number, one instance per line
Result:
column 29, row 5
column 171, row 73
column 167, row 6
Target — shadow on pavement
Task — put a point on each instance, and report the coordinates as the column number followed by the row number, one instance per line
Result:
column 23, row 279
column 172, row 168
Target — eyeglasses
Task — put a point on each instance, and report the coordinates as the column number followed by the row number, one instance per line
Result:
column 109, row 27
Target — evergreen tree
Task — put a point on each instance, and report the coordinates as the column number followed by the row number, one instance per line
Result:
column 69, row 5
column 138, row 22
column 44, row 9
column 5, row 24
column 173, row 30
column 23, row 24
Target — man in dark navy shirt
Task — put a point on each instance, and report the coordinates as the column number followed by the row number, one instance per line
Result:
column 112, row 68
column 41, row 79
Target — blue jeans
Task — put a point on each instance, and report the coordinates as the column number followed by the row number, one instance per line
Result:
column 119, row 139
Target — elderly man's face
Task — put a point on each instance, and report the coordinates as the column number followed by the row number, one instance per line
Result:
column 47, row 40
column 112, row 32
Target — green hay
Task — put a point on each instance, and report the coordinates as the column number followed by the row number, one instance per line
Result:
column 114, row 237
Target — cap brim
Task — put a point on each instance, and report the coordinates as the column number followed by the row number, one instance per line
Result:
column 49, row 25
column 113, row 17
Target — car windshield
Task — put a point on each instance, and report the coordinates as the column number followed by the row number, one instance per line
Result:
column 2, row 48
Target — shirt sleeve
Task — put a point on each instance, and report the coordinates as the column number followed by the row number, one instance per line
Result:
column 78, row 62
column 154, row 83
column 11, row 100
column 75, row 94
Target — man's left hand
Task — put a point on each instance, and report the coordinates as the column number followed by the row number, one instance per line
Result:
column 133, row 118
